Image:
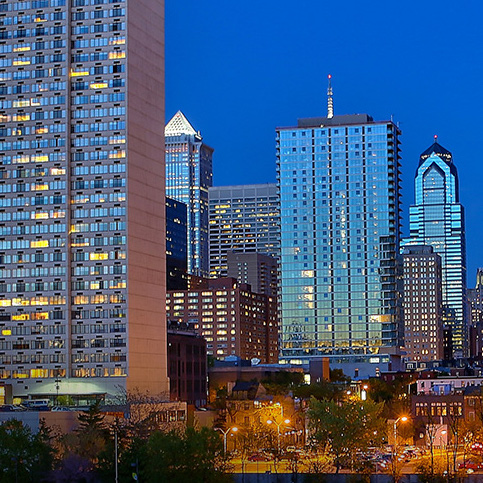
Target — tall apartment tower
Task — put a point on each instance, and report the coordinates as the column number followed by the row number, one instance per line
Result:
column 189, row 174
column 339, row 182
column 243, row 219
column 437, row 219
column 423, row 327
column 82, row 203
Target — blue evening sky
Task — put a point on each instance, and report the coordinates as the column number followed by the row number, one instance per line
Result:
column 239, row 69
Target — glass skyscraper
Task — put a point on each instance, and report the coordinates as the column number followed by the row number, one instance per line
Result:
column 339, row 182
column 437, row 219
column 82, row 214
column 189, row 174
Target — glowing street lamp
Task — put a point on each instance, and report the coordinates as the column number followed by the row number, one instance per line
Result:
column 225, row 434
column 286, row 421
column 403, row 419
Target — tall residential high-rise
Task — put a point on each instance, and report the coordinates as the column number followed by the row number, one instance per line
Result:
column 339, row 181
column 423, row 327
column 189, row 174
column 437, row 219
column 82, row 204
column 243, row 219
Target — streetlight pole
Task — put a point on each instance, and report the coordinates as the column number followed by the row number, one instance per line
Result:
column 403, row 419
column 286, row 421
column 225, row 434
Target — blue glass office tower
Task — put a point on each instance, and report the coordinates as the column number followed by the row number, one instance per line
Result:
column 339, row 181
column 189, row 174
column 437, row 219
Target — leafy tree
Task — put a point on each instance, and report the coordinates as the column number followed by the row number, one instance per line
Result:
column 24, row 456
column 192, row 457
column 319, row 390
column 344, row 427
column 282, row 382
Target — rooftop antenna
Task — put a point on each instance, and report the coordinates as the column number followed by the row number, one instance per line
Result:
column 435, row 138
column 330, row 101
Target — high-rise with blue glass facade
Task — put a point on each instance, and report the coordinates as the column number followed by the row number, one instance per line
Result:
column 339, row 182
column 437, row 219
column 189, row 174
column 82, row 204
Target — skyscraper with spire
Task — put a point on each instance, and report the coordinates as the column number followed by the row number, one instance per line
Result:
column 189, row 174
column 437, row 219
column 339, row 183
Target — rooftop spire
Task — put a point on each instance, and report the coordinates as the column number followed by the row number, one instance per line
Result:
column 330, row 101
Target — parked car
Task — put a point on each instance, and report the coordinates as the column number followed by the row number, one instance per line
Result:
column 258, row 457
column 470, row 465
column 37, row 404
column 7, row 408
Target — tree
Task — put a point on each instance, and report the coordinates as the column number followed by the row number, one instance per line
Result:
column 344, row 427
column 191, row 457
column 24, row 456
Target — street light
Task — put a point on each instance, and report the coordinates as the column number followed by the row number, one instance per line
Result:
column 286, row 421
column 225, row 434
column 403, row 419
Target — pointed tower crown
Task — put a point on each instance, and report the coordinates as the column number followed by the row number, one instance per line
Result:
column 179, row 125
column 437, row 149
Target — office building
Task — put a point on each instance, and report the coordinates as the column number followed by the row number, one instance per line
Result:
column 243, row 219
column 475, row 309
column 176, row 245
column 339, row 182
column 234, row 320
column 257, row 270
column 189, row 174
column 475, row 298
column 82, row 215
column 437, row 219
column 423, row 327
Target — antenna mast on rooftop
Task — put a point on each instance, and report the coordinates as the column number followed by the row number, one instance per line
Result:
column 330, row 100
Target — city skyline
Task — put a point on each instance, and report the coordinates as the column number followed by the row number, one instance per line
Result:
column 381, row 68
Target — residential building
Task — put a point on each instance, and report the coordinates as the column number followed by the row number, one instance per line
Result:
column 423, row 328
column 243, row 219
column 437, row 219
column 339, row 183
column 82, row 215
column 176, row 245
column 189, row 174
column 234, row 320
column 257, row 270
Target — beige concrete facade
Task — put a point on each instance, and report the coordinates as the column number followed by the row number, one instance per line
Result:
column 147, row 370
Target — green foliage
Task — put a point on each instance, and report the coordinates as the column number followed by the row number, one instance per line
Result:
column 64, row 400
column 345, row 426
column 192, row 457
column 337, row 375
column 319, row 390
column 24, row 456
column 89, row 444
column 282, row 382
